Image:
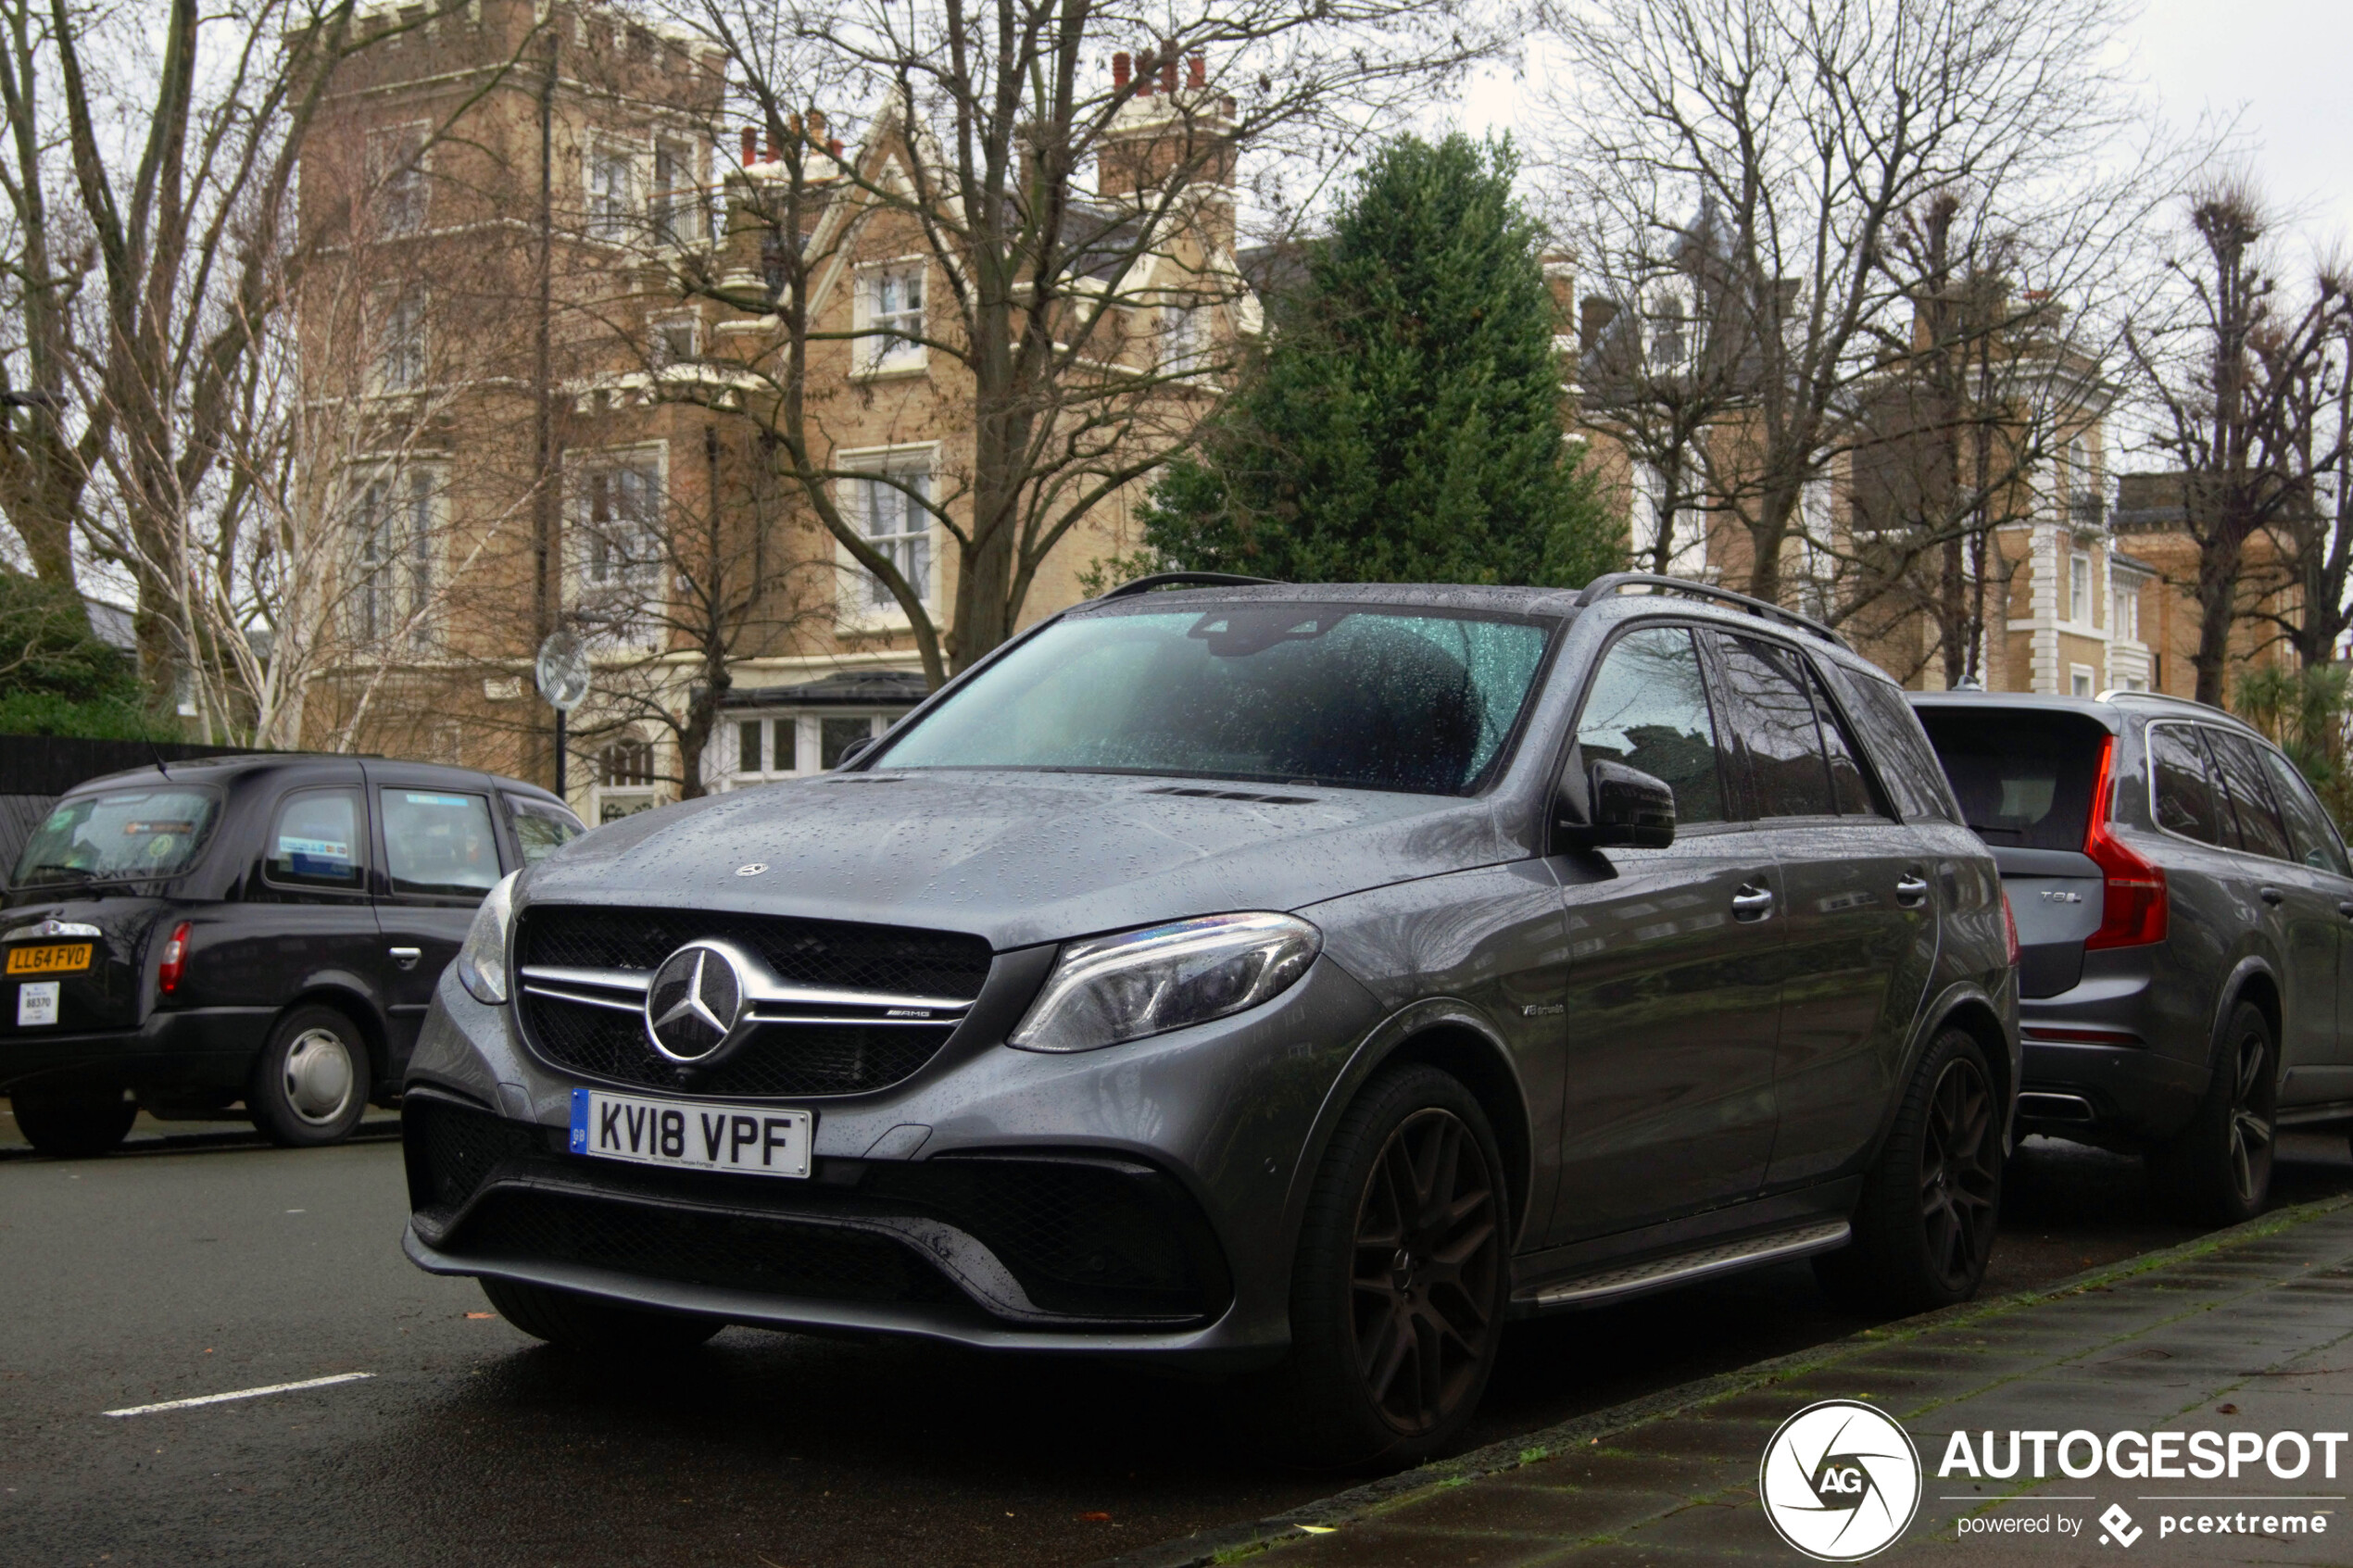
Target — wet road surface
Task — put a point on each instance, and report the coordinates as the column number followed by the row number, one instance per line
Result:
column 178, row 1273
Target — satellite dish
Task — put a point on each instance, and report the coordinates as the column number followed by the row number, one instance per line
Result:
column 561, row 671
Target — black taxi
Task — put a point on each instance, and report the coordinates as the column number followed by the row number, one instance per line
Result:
column 259, row 928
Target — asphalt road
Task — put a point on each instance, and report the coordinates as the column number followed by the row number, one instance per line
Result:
column 174, row 1273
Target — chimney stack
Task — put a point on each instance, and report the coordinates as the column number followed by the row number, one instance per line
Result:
column 751, row 146
column 1168, row 69
column 1196, row 72
column 1144, row 74
column 1119, row 67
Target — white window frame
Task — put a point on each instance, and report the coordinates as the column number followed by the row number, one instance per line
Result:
column 806, row 725
column 403, row 176
column 618, row 600
column 657, row 340
column 2123, row 610
column 1187, row 329
column 399, row 514
column 404, row 344
column 612, row 218
column 873, row 354
column 861, row 601
column 629, row 798
column 677, row 216
column 2080, row 682
column 2079, row 588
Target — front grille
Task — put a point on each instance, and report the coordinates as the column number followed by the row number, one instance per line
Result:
column 773, row 1255
column 779, row 1060
column 809, row 952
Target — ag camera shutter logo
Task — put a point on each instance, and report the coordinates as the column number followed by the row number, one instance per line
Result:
column 1841, row 1481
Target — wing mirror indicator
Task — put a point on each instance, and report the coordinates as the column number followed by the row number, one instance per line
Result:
column 1623, row 808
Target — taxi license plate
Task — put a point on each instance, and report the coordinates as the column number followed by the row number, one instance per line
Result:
column 745, row 1140
column 54, row 958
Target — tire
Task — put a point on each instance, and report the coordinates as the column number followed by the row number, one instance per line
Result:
column 1924, row 1226
column 573, row 1322
column 1400, row 1281
column 310, row 1085
column 74, row 1123
column 2216, row 1171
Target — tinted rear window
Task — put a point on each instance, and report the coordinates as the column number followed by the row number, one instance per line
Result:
column 2023, row 778
column 118, row 835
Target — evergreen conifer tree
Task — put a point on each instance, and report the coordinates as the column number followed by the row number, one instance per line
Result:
column 1404, row 421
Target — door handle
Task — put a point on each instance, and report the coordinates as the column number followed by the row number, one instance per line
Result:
column 2270, row 895
column 1911, row 889
column 2346, row 909
column 1752, row 903
column 406, row 957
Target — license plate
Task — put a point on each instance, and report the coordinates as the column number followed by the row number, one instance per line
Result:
column 36, row 1004
column 54, row 958
column 746, row 1140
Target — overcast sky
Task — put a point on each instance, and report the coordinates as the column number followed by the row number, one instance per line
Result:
column 2278, row 65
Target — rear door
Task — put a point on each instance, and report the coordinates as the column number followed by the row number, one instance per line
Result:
column 1674, row 971
column 313, row 881
column 2321, row 852
column 1861, row 939
column 2299, row 900
column 440, row 853
column 2024, row 781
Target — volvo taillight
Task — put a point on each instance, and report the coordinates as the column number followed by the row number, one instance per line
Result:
column 2133, row 911
column 2009, row 929
column 174, row 962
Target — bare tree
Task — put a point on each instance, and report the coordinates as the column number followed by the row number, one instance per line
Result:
column 1810, row 136
column 1073, row 337
column 2240, row 375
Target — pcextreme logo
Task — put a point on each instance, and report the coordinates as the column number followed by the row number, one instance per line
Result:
column 1841, row 1480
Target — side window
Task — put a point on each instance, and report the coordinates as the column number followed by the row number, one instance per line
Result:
column 1774, row 719
column 1648, row 709
column 1908, row 763
column 437, row 845
column 1850, row 787
column 2308, row 828
column 542, row 829
column 2260, row 830
column 2181, row 792
column 314, row 841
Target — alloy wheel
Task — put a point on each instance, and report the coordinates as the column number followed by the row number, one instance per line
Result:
column 1960, row 1173
column 318, row 1076
column 2251, row 1119
column 1429, row 1257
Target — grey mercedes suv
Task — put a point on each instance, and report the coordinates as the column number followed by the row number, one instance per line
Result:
column 2187, row 910
column 1301, row 981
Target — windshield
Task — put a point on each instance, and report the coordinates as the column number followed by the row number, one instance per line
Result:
column 118, row 835
column 1389, row 699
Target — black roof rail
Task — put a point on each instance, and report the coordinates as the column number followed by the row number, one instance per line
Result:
column 1193, row 578
column 1611, row 582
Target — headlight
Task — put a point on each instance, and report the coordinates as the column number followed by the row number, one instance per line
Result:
column 482, row 962
column 1140, row 983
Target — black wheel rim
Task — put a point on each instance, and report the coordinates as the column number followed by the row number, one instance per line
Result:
column 1960, row 1174
column 1429, row 1256
column 2250, row 1133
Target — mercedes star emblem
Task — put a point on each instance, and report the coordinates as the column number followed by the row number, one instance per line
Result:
column 694, row 1002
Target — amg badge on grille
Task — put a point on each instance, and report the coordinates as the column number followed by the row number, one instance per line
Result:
column 694, row 1002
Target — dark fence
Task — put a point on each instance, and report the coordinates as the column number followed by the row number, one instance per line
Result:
column 35, row 770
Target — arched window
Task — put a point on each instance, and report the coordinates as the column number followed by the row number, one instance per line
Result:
column 626, row 779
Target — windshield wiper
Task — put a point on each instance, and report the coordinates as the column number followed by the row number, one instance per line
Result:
column 84, row 872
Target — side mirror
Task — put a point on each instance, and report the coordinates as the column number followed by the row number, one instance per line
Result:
column 1624, row 808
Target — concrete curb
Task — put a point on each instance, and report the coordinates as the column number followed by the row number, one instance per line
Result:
column 1232, row 1542
column 380, row 1130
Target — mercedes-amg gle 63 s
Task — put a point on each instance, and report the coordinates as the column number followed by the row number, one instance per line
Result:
column 1302, row 982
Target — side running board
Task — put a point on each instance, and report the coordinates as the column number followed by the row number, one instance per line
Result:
column 1632, row 1279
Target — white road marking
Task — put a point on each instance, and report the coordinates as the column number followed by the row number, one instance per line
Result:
column 241, row 1393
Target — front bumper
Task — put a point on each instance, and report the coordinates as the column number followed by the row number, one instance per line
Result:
column 1140, row 1198
column 196, row 1048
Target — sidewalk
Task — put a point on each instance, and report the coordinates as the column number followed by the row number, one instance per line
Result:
column 2248, row 1330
